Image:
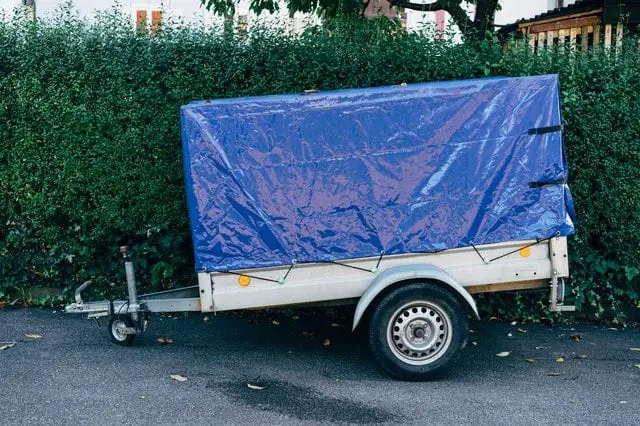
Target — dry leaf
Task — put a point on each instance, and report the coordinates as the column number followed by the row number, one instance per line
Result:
column 33, row 336
column 509, row 334
column 326, row 342
column 582, row 356
column 634, row 349
column 503, row 354
column 166, row 340
column 576, row 337
column 554, row 374
column 3, row 303
column 531, row 360
column 254, row 387
column 275, row 322
column 4, row 347
column 178, row 377
column 560, row 359
column 514, row 322
column 521, row 330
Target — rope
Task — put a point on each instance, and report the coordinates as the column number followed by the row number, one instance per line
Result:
column 382, row 253
column 481, row 256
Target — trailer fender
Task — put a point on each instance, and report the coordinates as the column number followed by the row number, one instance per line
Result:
column 401, row 273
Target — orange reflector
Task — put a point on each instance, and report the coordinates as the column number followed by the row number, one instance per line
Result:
column 244, row 280
column 525, row 252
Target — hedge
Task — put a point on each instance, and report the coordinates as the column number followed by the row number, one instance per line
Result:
column 90, row 157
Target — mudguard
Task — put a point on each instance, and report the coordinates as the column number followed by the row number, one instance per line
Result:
column 411, row 272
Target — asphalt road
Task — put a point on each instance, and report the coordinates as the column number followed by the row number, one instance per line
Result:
column 74, row 374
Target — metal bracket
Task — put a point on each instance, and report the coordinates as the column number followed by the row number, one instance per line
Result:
column 556, row 298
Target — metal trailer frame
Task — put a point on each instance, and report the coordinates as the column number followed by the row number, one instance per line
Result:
column 419, row 303
column 517, row 265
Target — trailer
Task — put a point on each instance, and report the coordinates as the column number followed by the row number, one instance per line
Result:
column 403, row 200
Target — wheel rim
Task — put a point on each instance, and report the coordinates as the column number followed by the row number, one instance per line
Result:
column 117, row 331
column 419, row 332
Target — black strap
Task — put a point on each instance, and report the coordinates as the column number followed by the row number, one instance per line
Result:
column 543, row 130
column 551, row 182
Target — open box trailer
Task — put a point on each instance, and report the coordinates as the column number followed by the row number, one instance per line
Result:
column 405, row 200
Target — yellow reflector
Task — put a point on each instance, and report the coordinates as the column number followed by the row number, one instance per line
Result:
column 525, row 252
column 244, row 280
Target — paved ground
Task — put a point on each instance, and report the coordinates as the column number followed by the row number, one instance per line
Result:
column 74, row 374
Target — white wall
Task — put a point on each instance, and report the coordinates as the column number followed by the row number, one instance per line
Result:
column 190, row 11
column 512, row 10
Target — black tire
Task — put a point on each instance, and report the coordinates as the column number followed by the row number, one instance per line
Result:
column 119, row 338
column 417, row 331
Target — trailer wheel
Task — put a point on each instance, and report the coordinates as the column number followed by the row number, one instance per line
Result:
column 417, row 331
column 116, row 323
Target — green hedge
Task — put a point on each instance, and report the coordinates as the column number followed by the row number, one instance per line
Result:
column 90, row 156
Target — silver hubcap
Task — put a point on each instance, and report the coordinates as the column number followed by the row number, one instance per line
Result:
column 117, row 329
column 419, row 333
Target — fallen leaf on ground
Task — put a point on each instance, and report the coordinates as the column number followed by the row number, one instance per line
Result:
column 3, row 303
column 254, row 387
column 634, row 349
column 576, row 337
column 4, row 347
column 582, row 356
column 178, row 377
column 33, row 336
column 521, row 330
column 326, row 342
column 503, row 354
column 509, row 334
column 554, row 374
column 514, row 322
column 166, row 340
column 531, row 360
column 275, row 322
column 560, row 359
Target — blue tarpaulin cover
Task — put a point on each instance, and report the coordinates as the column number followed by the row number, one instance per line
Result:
column 347, row 174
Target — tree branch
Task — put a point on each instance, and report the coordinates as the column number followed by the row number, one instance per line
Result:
column 458, row 14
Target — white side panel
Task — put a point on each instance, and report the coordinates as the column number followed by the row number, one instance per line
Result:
column 316, row 282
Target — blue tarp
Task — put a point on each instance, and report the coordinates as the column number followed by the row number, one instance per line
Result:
column 347, row 174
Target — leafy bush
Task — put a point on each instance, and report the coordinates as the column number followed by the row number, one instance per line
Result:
column 91, row 157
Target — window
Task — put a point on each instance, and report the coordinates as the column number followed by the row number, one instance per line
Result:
column 143, row 24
